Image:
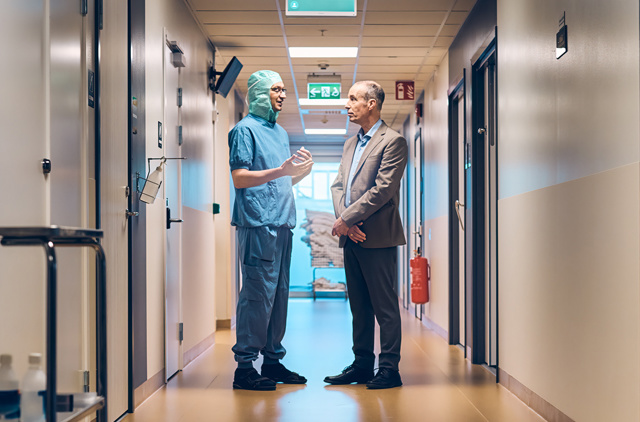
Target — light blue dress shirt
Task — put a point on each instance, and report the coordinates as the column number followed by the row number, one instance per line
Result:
column 363, row 140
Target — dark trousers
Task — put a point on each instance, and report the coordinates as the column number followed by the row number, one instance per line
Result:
column 372, row 275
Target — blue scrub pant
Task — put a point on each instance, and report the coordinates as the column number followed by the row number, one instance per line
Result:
column 265, row 255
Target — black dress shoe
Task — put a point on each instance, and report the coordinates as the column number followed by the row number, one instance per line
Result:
column 250, row 379
column 385, row 378
column 349, row 375
column 278, row 373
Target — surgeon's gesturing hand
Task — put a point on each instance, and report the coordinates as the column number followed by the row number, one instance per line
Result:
column 298, row 165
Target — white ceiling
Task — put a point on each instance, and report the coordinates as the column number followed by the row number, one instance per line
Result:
column 397, row 40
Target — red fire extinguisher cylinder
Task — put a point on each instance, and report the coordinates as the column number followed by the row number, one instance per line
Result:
column 420, row 276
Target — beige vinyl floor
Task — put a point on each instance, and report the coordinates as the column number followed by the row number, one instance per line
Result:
column 439, row 384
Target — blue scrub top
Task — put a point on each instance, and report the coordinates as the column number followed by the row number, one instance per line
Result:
column 257, row 144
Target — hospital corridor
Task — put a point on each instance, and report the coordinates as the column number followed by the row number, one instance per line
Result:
column 320, row 210
column 438, row 384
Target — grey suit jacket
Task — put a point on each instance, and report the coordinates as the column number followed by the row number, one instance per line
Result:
column 375, row 189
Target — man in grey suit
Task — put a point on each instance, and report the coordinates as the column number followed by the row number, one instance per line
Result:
column 365, row 198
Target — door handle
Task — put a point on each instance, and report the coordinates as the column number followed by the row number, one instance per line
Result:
column 171, row 220
column 482, row 131
column 458, row 205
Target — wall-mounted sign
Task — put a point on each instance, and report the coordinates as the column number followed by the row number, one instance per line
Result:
column 323, row 91
column 561, row 38
column 405, row 90
column 321, row 8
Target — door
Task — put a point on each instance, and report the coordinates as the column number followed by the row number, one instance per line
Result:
column 488, row 130
column 418, row 194
column 481, row 232
column 457, row 264
column 72, row 158
column 403, row 255
column 407, row 219
column 173, row 198
column 114, row 190
column 137, row 208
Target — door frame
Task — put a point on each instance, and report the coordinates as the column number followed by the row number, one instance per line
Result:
column 454, row 194
column 170, row 98
column 137, row 223
column 475, row 230
column 418, row 166
column 406, row 189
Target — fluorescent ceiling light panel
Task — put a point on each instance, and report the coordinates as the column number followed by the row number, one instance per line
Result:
column 325, row 131
column 323, row 52
column 309, row 102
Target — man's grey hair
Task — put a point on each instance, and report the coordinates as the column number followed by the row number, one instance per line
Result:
column 373, row 91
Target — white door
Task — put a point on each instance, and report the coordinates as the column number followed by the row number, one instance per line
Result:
column 69, row 154
column 173, row 196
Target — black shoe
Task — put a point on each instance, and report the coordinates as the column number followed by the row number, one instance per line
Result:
column 278, row 373
column 349, row 375
column 385, row 378
column 250, row 379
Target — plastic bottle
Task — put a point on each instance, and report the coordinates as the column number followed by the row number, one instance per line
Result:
column 9, row 392
column 34, row 385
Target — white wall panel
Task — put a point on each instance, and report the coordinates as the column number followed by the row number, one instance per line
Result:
column 565, row 119
column 225, row 109
column 568, row 304
column 436, row 158
column 569, row 204
column 198, row 295
column 23, row 188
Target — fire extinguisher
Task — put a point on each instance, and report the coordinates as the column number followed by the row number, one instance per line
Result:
column 420, row 276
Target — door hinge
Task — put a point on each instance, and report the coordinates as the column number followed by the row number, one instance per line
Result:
column 179, row 97
column 84, row 7
column 87, row 380
column 181, row 331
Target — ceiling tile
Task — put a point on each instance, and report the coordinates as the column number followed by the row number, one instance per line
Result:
column 401, row 40
column 393, row 17
column 244, row 30
column 409, row 5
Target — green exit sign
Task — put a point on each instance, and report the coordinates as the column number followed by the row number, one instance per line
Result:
column 323, row 91
column 321, row 8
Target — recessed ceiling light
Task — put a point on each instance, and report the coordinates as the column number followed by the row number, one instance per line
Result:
column 325, row 131
column 311, row 102
column 322, row 52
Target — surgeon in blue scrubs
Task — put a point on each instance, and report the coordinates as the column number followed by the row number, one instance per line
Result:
column 264, row 171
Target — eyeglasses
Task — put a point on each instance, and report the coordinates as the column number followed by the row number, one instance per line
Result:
column 279, row 90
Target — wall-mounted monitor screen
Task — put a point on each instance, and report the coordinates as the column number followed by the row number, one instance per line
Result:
column 322, row 8
column 228, row 77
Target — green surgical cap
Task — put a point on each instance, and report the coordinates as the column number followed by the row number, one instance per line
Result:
column 259, row 98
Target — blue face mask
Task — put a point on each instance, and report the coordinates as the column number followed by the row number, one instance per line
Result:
column 258, row 95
